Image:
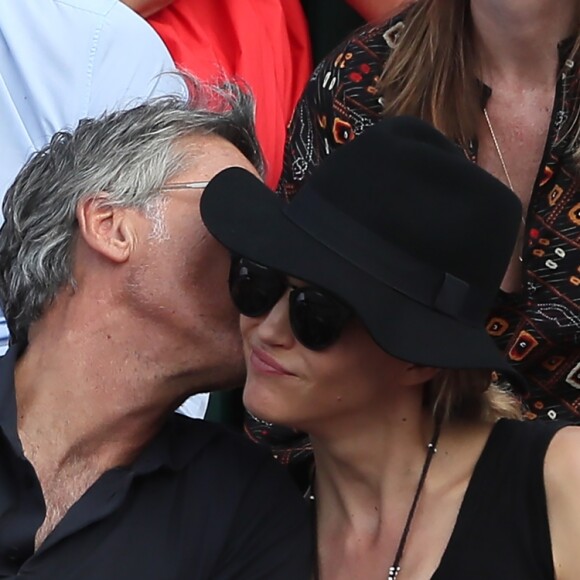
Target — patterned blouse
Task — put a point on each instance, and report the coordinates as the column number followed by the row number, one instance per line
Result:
column 537, row 329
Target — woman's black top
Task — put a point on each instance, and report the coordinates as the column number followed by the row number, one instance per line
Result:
column 502, row 530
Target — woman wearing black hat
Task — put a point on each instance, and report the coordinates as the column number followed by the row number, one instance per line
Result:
column 364, row 325
column 502, row 79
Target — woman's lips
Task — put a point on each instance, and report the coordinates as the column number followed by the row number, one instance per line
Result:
column 264, row 363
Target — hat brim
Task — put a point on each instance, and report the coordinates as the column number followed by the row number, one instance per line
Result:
column 248, row 219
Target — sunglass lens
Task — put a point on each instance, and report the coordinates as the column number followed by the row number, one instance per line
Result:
column 254, row 289
column 317, row 318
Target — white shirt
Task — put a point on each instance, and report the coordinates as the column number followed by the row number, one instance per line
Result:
column 63, row 60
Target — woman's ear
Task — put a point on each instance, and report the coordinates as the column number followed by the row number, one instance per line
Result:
column 418, row 374
column 106, row 228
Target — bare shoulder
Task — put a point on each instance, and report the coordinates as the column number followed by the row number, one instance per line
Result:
column 562, row 463
column 562, row 482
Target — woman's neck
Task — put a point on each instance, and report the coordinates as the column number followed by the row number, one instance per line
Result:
column 358, row 469
column 364, row 499
column 517, row 39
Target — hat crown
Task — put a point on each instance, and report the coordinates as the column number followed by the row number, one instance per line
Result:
column 399, row 224
column 410, row 186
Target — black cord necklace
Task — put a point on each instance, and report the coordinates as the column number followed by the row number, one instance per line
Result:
column 396, row 566
column 431, row 450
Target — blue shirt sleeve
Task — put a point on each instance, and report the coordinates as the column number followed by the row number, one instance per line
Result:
column 129, row 63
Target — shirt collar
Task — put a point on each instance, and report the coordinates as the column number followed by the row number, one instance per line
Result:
column 179, row 439
column 8, row 416
column 564, row 48
column 566, row 66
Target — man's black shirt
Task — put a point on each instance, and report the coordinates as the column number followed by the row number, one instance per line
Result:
column 198, row 503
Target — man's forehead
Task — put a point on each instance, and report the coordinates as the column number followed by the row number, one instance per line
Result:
column 207, row 155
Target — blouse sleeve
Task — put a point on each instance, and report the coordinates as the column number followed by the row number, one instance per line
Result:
column 338, row 103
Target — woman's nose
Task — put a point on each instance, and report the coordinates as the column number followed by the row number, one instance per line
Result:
column 274, row 328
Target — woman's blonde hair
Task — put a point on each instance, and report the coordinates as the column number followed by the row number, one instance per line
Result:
column 433, row 70
column 457, row 394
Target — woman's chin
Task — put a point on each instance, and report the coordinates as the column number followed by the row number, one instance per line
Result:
column 267, row 408
column 263, row 412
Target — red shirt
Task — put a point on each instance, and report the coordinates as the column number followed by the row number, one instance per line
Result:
column 264, row 43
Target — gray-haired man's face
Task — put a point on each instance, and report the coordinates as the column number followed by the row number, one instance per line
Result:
column 178, row 280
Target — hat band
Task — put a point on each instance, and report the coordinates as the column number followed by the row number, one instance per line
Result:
column 384, row 261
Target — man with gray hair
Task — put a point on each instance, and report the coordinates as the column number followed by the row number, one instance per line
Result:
column 116, row 297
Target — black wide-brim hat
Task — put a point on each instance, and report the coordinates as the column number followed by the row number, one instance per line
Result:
column 401, row 226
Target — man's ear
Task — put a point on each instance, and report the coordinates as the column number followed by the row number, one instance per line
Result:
column 106, row 228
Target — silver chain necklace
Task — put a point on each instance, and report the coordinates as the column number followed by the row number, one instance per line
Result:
column 497, row 148
column 507, row 176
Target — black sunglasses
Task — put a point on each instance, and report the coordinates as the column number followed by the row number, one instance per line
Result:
column 316, row 317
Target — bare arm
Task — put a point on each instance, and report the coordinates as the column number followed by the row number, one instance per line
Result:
column 562, row 481
column 147, row 7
